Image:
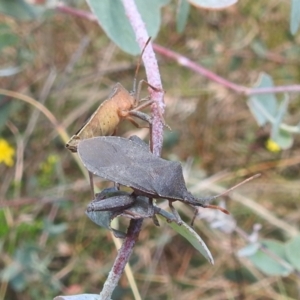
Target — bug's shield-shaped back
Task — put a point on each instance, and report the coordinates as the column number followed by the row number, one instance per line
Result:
column 131, row 164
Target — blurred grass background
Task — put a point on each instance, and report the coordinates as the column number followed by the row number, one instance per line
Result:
column 69, row 66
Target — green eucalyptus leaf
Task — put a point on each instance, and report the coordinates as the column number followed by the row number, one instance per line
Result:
column 7, row 39
column 10, row 71
column 112, row 18
column 284, row 139
column 79, row 297
column 213, row 4
column 103, row 219
column 295, row 16
column 11, row 271
column 259, row 48
column 279, row 117
column 265, row 109
column 183, row 11
column 54, row 229
column 249, row 250
column 263, row 106
column 21, row 10
column 292, row 250
column 26, row 254
column 269, row 264
column 191, row 235
column 6, row 108
column 19, row 283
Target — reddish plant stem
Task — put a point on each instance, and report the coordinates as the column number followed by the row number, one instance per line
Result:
column 122, row 258
column 152, row 72
column 184, row 61
column 276, row 89
column 153, row 78
column 76, row 12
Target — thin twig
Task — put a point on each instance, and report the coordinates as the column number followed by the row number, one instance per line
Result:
column 153, row 78
column 184, row 61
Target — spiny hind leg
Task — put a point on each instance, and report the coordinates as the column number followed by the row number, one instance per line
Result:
column 147, row 118
column 141, row 116
column 138, row 114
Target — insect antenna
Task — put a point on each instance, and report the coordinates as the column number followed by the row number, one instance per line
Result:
column 236, row 186
column 209, row 199
column 138, row 66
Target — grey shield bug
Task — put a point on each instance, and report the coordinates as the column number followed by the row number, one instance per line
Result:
column 120, row 105
column 130, row 163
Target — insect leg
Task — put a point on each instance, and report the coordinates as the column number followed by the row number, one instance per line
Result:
column 131, row 120
column 143, row 105
column 175, row 213
column 141, row 116
column 138, row 91
column 147, row 118
column 115, row 203
column 194, row 217
column 92, row 184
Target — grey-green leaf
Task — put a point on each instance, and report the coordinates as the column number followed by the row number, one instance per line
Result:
column 7, row 37
column 192, row 236
column 21, row 9
column 183, row 11
column 284, row 139
column 249, row 250
column 11, row 271
column 79, row 297
column 103, row 219
column 292, row 249
column 54, row 229
column 213, row 4
column 112, row 18
column 273, row 263
column 295, row 16
column 10, row 71
column 279, row 117
column 263, row 106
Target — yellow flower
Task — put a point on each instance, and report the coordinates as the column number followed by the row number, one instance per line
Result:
column 6, row 153
column 47, row 170
column 48, row 165
column 272, row 146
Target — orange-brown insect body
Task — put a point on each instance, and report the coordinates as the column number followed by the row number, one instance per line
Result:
column 121, row 104
column 106, row 118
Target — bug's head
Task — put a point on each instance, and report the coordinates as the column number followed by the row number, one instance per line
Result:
column 73, row 143
column 205, row 203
